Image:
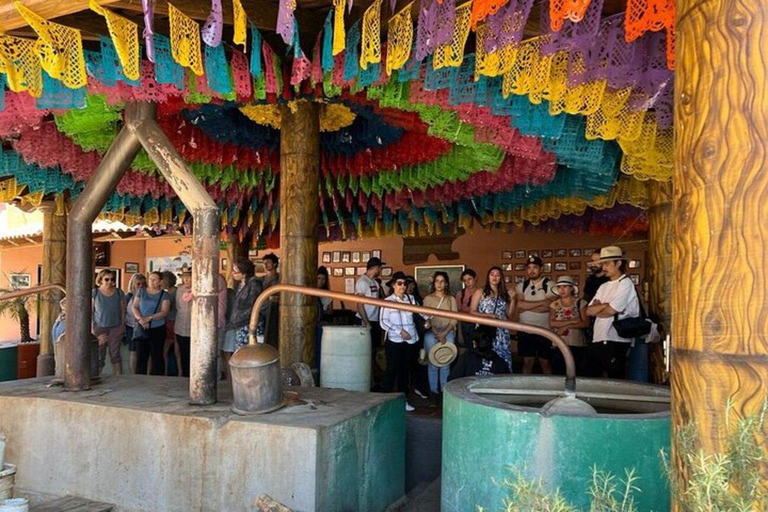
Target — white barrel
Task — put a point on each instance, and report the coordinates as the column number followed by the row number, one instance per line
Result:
column 345, row 359
column 7, row 481
column 15, row 505
column 2, row 450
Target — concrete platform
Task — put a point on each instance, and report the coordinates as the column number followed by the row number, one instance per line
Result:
column 134, row 441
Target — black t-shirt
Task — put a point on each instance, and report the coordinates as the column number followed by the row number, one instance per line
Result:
column 591, row 285
column 471, row 363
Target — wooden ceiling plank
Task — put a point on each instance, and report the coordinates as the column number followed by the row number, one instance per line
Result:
column 10, row 18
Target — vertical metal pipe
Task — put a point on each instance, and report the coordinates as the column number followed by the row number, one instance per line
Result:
column 80, row 255
column 205, row 254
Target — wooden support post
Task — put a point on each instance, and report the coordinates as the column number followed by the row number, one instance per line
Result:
column 299, row 188
column 235, row 249
column 720, row 255
column 54, row 271
column 660, row 242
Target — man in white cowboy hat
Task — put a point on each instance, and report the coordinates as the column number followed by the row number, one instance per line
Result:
column 616, row 299
column 532, row 301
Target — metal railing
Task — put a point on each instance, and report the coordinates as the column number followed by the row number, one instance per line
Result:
column 570, row 365
column 32, row 291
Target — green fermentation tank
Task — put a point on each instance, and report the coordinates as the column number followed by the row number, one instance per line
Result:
column 494, row 424
column 9, row 354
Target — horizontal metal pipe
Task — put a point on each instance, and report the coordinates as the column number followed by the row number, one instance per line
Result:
column 31, row 291
column 579, row 394
column 570, row 365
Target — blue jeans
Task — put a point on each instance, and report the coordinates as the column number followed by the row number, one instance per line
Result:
column 437, row 373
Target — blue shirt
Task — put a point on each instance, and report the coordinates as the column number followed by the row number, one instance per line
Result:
column 149, row 304
column 107, row 310
column 58, row 328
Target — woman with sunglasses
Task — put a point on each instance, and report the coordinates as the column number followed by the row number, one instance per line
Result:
column 150, row 307
column 494, row 301
column 108, row 314
column 401, row 338
column 137, row 282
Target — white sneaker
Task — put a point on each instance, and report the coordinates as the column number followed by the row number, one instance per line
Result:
column 409, row 407
column 420, row 394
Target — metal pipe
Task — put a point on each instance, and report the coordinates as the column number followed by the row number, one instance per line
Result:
column 113, row 165
column 205, row 253
column 570, row 365
column 31, row 291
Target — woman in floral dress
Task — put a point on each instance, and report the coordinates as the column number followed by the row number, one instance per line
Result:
column 495, row 301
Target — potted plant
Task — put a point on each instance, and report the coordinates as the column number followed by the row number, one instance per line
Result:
column 17, row 309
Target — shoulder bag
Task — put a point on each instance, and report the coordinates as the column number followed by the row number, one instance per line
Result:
column 633, row 326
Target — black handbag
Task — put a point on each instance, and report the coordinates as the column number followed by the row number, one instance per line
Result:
column 141, row 334
column 633, row 326
column 423, row 325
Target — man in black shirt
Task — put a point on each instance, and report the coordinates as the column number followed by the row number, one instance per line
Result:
column 595, row 279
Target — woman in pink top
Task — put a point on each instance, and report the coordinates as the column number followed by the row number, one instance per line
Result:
column 464, row 300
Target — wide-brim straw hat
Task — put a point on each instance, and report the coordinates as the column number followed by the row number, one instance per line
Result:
column 443, row 354
column 612, row 253
column 565, row 281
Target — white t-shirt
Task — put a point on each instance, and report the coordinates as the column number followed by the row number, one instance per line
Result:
column 537, row 291
column 395, row 320
column 368, row 287
column 622, row 297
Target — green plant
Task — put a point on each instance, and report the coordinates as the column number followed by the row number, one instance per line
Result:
column 17, row 309
column 608, row 494
column 720, row 482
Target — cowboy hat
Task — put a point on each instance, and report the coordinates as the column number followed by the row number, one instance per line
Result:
column 612, row 253
column 565, row 281
column 442, row 354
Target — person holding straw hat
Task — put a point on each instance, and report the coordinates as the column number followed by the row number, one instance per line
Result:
column 568, row 318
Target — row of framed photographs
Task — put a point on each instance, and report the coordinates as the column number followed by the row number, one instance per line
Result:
column 356, row 271
column 349, row 256
column 521, row 254
column 635, row 278
column 558, row 266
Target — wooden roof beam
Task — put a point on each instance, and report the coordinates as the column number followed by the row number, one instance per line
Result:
column 10, row 18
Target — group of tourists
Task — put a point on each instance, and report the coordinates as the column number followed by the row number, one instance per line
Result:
column 584, row 322
column 154, row 318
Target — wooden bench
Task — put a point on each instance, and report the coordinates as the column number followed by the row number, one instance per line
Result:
column 73, row 504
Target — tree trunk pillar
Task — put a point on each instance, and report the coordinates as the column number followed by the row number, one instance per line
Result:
column 299, row 188
column 54, row 271
column 660, row 242
column 720, row 255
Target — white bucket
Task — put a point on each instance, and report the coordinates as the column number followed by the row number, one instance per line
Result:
column 7, row 479
column 345, row 360
column 15, row 505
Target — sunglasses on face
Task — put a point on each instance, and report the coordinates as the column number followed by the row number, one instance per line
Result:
column 399, row 283
column 107, row 280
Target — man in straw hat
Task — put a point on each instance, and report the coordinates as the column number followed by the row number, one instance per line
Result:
column 615, row 299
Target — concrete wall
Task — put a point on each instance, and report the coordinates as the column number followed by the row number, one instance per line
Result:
column 134, row 442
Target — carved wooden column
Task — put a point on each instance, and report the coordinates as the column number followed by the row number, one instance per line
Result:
column 660, row 242
column 54, row 271
column 299, row 188
column 720, row 256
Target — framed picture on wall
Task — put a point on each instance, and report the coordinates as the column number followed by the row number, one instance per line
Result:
column 519, row 255
column 519, row 279
column 561, row 266
column 561, row 253
column 547, row 267
column 506, row 255
column 365, row 256
column 224, row 263
column 424, row 275
column 326, row 257
column 361, row 270
column 635, row 278
column 346, row 257
column 574, row 265
column 506, row 267
column 588, row 252
column 386, row 271
column 18, row 281
column 507, row 279
column 376, row 253
column 634, row 263
column 356, row 257
column 575, row 253
column 101, row 254
column 349, row 271
column 532, row 254
column 131, row 268
column 547, row 253
column 336, row 257
column 338, row 271
column 519, row 267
